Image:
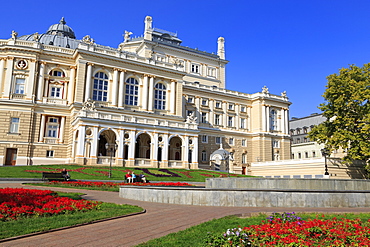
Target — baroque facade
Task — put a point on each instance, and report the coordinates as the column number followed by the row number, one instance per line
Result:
column 151, row 102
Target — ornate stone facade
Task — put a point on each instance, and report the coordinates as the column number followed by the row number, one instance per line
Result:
column 164, row 105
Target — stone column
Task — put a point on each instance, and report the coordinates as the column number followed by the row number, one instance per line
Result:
column 263, row 117
column 2, row 65
column 144, row 93
column 121, row 90
column 249, row 126
column 224, row 109
column 121, row 144
column 286, row 113
column 71, row 84
column 95, row 142
column 61, row 130
column 81, row 143
column 212, row 111
column 131, row 148
column 88, row 81
column 165, row 148
column 185, row 151
column 154, row 145
column 173, row 97
column 114, row 88
column 42, row 129
column 8, row 77
column 237, row 117
column 40, row 83
column 195, row 153
column 31, row 79
column 197, row 108
column 151, row 93
column 268, row 118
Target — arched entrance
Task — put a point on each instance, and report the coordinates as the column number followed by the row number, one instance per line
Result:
column 106, row 138
column 175, row 154
column 142, row 149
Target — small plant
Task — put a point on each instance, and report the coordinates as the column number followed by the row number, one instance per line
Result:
column 284, row 217
column 232, row 237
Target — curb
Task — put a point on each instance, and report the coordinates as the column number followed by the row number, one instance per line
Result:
column 69, row 227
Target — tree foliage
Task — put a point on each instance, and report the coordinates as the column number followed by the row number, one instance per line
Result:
column 347, row 110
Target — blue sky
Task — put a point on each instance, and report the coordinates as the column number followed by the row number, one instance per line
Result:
column 287, row 45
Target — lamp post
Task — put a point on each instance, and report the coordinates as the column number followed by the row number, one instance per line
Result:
column 325, row 152
column 112, row 148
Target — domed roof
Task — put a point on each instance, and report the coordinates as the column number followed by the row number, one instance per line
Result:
column 61, row 29
column 58, row 35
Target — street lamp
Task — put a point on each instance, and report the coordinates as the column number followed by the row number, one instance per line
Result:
column 325, row 152
column 112, row 148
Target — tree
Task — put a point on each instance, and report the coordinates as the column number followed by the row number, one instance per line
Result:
column 347, row 110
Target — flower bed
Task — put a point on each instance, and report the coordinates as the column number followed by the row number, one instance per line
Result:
column 21, row 203
column 114, row 185
column 289, row 230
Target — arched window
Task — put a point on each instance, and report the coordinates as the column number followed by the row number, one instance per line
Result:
column 273, row 120
column 244, row 158
column 57, row 73
column 100, row 90
column 159, row 96
column 132, row 91
column 204, row 155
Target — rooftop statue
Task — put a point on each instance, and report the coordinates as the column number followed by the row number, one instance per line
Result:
column 126, row 36
column 14, row 35
column 265, row 90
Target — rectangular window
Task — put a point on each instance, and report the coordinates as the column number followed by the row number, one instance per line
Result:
column 218, row 104
column 49, row 153
column 52, row 127
column 14, row 125
column 190, row 100
column 313, row 154
column 19, row 86
column 218, row 140
column 204, row 117
column 244, row 158
column 231, row 141
column 242, row 123
column 204, row 102
column 204, row 138
column 244, row 142
column 55, row 92
column 276, row 143
column 217, row 119
column 211, row 72
column 189, row 113
column 231, row 107
column 195, row 68
column 230, row 122
column 204, row 156
column 242, row 109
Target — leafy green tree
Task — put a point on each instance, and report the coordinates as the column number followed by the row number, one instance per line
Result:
column 347, row 110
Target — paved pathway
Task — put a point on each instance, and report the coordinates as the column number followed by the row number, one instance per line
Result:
column 159, row 220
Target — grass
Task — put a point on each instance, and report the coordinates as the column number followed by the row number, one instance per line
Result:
column 31, row 225
column 195, row 236
column 101, row 173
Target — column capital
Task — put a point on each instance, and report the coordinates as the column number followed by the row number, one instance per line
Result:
column 10, row 58
column 42, row 62
column 73, row 67
column 32, row 60
column 146, row 75
column 3, row 58
column 116, row 69
column 122, row 70
column 90, row 64
column 172, row 80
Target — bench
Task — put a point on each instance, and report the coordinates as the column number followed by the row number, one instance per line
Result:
column 52, row 176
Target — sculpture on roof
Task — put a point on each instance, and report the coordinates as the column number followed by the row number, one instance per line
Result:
column 283, row 94
column 88, row 40
column 36, row 37
column 126, row 36
column 191, row 118
column 265, row 90
column 14, row 35
column 89, row 105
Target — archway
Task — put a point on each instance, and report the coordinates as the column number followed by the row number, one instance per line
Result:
column 175, row 149
column 107, row 136
column 142, row 147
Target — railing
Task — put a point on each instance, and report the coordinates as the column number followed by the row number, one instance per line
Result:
column 51, row 140
column 105, row 160
column 142, row 162
column 54, row 101
column 18, row 96
column 174, row 163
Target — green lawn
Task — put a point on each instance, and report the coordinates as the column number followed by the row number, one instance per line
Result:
column 38, row 224
column 195, row 236
column 101, row 173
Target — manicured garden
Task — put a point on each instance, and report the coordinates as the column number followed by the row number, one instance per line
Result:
column 286, row 229
column 24, row 211
column 118, row 173
column 106, row 186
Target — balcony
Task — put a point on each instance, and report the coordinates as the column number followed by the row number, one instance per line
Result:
column 142, row 162
column 51, row 140
column 54, row 101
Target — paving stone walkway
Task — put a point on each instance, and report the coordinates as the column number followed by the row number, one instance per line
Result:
column 159, row 220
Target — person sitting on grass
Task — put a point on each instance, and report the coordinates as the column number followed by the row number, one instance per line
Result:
column 65, row 174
